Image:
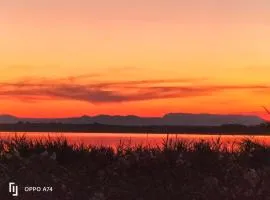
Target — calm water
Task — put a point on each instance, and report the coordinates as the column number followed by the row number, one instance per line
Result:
column 112, row 139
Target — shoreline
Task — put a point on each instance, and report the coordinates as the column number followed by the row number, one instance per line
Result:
column 70, row 128
column 140, row 133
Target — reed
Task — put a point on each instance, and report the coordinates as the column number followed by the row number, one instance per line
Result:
column 178, row 169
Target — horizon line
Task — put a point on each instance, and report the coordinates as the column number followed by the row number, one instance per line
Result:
column 127, row 115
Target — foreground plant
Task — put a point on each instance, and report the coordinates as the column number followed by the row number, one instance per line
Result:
column 177, row 170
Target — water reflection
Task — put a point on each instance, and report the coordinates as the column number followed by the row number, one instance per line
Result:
column 112, row 139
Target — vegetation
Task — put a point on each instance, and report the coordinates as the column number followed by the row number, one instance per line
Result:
column 177, row 170
column 104, row 128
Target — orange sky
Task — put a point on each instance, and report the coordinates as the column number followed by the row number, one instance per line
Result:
column 144, row 57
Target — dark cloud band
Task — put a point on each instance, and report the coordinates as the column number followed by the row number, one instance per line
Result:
column 112, row 92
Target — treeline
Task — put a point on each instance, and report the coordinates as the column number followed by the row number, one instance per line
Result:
column 103, row 128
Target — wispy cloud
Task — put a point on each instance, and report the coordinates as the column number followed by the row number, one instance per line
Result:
column 115, row 91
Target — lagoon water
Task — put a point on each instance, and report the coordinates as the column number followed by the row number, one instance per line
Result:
column 113, row 139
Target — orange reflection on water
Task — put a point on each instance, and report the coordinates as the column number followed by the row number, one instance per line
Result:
column 113, row 139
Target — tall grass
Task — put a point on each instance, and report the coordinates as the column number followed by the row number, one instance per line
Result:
column 179, row 169
column 68, row 152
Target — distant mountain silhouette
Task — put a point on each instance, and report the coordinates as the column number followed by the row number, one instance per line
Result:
column 8, row 119
column 170, row 119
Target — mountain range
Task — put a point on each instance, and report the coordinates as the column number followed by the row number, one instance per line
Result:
column 170, row 119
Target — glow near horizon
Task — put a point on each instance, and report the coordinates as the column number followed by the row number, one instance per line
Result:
column 209, row 43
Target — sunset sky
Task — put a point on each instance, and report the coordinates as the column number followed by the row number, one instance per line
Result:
column 144, row 57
